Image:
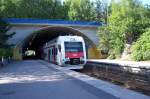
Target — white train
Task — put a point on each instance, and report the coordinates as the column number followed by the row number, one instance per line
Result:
column 65, row 50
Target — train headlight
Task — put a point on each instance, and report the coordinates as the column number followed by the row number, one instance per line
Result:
column 82, row 58
column 67, row 59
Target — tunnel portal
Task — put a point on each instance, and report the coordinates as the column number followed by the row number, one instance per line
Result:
column 35, row 41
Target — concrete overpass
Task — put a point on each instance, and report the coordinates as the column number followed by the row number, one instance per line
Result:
column 33, row 33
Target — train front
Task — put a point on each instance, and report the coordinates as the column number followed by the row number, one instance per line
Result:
column 75, row 52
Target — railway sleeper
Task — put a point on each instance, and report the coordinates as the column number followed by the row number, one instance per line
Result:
column 137, row 86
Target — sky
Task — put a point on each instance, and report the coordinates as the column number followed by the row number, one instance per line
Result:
column 143, row 1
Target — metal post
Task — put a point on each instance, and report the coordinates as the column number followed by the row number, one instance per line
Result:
column 2, row 60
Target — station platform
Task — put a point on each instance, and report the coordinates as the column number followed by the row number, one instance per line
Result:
column 100, row 85
column 37, row 79
column 143, row 64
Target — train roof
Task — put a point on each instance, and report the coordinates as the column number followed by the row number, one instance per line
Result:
column 62, row 37
column 70, row 36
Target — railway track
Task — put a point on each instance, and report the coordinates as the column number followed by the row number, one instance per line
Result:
column 134, row 78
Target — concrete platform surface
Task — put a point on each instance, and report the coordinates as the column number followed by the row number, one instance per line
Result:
column 145, row 64
column 33, row 79
column 100, row 85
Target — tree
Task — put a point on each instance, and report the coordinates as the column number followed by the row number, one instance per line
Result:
column 35, row 8
column 101, row 7
column 127, row 21
column 7, row 8
column 4, row 47
column 3, row 36
column 66, row 7
column 82, row 10
column 48, row 9
column 141, row 48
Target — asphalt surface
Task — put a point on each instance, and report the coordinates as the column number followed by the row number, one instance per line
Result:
column 32, row 79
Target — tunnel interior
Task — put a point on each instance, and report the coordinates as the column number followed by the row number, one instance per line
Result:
column 36, row 40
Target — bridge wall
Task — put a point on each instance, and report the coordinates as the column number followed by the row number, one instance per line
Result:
column 23, row 30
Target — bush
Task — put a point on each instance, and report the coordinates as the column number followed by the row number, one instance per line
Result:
column 5, row 52
column 141, row 48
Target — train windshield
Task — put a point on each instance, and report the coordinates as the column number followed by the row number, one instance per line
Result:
column 73, row 47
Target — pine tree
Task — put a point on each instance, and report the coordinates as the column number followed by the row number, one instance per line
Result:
column 3, row 36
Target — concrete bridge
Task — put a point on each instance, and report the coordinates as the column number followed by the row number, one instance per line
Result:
column 33, row 33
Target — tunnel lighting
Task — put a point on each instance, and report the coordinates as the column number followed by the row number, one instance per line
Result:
column 30, row 43
column 30, row 53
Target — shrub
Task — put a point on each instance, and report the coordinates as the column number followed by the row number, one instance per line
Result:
column 5, row 52
column 141, row 48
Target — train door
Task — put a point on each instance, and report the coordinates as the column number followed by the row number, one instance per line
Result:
column 54, row 49
column 51, row 55
column 48, row 55
column 86, row 51
column 59, row 56
column 56, row 56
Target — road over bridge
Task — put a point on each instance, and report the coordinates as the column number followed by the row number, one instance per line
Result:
column 31, row 34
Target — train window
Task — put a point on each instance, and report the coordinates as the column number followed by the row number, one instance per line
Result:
column 59, row 48
column 56, row 51
column 49, row 52
column 73, row 47
column 52, row 51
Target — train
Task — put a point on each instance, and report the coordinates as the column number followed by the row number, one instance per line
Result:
column 65, row 51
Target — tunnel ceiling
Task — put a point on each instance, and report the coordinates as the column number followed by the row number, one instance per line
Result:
column 38, row 38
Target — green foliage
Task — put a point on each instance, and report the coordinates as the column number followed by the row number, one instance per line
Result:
column 104, row 42
column 4, row 47
column 3, row 36
column 81, row 10
column 4, row 27
column 127, row 21
column 141, row 48
column 52, row 9
column 84, row 10
column 5, row 52
column 101, row 7
column 7, row 8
